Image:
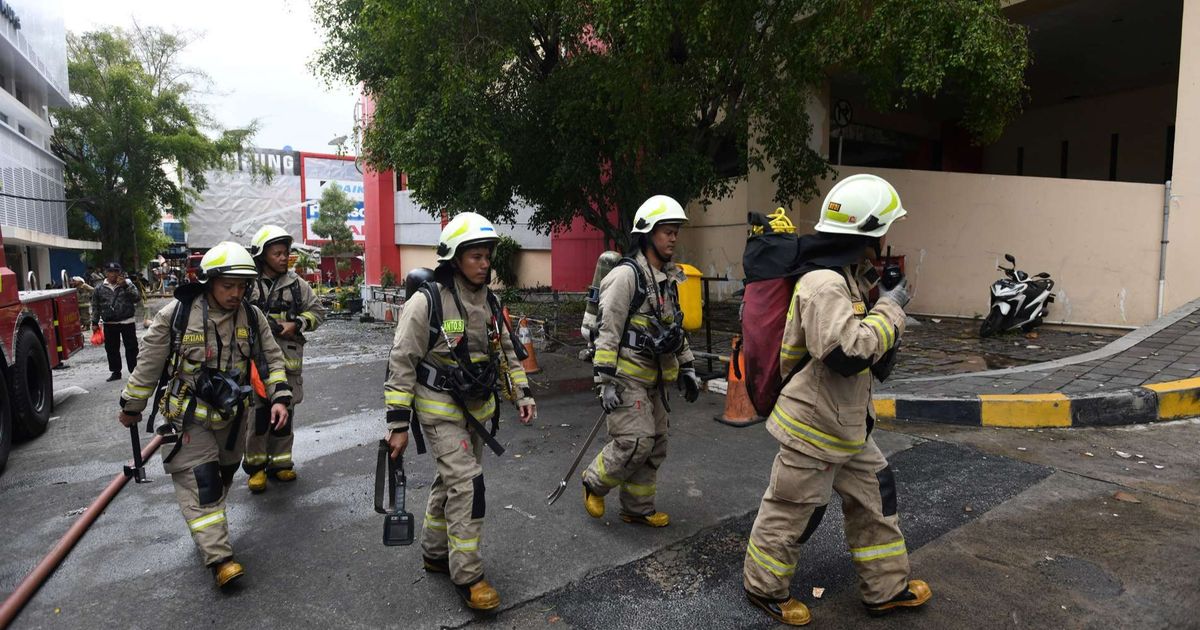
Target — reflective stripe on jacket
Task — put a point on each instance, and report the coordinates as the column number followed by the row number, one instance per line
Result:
column 410, row 346
column 276, row 300
column 231, row 326
column 823, row 410
column 616, row 294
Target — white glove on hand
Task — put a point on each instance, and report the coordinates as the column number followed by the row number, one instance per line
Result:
column 898, row 293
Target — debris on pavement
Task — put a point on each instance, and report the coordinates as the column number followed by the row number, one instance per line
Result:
column 1122, row 454
column 818, row 592
column 1121, row 495
column 519, row 511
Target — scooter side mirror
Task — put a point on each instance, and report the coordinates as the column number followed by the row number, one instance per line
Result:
column 1010, row 259
column 1042, row 275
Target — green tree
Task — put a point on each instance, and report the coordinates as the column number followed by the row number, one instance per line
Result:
column 335, row 208
column 135, row 140
column 586, row 108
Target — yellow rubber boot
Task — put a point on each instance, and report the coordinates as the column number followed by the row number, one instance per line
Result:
column 657, row 519
column 594, row 503
column 257, row 481
column 917, row 593
column 480, row 596
column 227, row 572
column 287, row 474
column 790, row 611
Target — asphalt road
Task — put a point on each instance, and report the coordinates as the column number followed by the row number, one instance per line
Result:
column 1006, row 537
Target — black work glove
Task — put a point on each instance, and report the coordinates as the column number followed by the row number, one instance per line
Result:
column 689, row 383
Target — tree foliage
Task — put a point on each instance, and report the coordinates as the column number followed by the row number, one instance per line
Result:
column 505, row 261
column 586, row 108
column 135, row 140
column 336, row 207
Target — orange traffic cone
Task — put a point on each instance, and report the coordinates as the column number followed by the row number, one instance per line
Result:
column 530, row 364
column 739, row 411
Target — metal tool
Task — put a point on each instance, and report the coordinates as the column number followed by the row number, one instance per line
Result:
column 562, row 485
column 398, row 526
column 138, row 469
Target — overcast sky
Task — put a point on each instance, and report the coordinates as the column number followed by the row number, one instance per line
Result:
column 256, row 52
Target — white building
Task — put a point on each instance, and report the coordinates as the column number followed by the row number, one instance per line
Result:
column 33, row 78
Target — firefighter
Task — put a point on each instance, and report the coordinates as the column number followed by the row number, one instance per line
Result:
column 292, row 306
column 640, row 348
column 196, row 360
column 835, row 340
column 448, row 358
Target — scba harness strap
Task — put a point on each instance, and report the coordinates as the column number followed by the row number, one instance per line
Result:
column 180, row 318
column 464, row 379
column 279, row 306
column 661, row 338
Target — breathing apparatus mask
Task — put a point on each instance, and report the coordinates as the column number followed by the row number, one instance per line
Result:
column 221, row 390
column 663, row 338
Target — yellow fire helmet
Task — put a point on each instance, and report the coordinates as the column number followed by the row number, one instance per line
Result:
column 265, row 236
column 464, row 230
column 228, row 260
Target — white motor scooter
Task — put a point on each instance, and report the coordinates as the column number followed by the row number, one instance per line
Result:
column 1018, row 301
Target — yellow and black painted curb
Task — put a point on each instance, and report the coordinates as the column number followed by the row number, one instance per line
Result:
column 1137, row 405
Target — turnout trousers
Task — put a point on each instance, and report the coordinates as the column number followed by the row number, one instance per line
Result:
column 202, row 472
column 454, row 514
column 266, row 447
column 631, row 459
column 794, row 504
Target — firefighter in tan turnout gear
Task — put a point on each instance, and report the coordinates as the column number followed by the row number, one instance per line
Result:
column 824, row 416
column 292, row 306
column 196, row 359
column 640, row 349
column 448, row 359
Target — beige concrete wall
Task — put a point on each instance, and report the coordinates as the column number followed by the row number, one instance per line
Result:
column 1099, row 240
column 533, row 266
column 1183, row 281
column 413, row 256
column 1139, row 117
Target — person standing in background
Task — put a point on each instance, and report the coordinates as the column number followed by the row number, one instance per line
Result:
column 115, row 303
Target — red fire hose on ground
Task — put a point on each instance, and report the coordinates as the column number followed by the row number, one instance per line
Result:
column 32, row 582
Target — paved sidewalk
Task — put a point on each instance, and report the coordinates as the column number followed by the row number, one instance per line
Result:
column 1145, row 376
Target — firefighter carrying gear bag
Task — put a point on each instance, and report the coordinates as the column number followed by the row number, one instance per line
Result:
column 823, row 415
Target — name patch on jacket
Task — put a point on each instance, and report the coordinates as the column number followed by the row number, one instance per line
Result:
column 860, row 308
column 243, row 332
column 454, row 326
column 191, row 338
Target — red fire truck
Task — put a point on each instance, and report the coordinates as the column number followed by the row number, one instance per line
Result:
column 38, row 331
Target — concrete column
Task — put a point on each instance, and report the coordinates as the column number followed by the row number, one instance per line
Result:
column 1183, row 283
column 41, row 267
column 379, row 209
